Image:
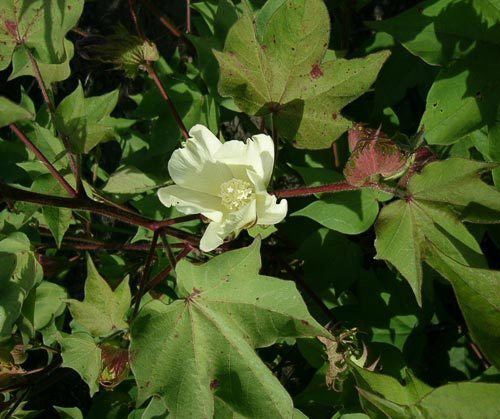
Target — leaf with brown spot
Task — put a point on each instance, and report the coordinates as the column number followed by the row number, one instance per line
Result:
column 289, row 76
column 217, row 333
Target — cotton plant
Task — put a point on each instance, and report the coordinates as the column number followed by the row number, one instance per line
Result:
column 225, row 182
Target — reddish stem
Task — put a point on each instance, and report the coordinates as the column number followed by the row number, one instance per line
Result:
column 311, row 190
column 331, row 188
column 162, row 18
column 27, row 142
column 84, row 204
column 154, row 76
column 82, row 243
column 75, row 167
column 188, row 16
column 166, row 272
column 133, row 13
column 145, row 275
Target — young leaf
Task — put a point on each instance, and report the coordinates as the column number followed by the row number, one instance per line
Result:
column 277, row 65
column 10, row 112
column 208, row 338
column 39, row 26
column 80, row 352
column 103, row 310
column 86, row 121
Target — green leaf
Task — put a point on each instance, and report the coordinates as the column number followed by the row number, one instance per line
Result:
column 350, row 212
column 478, row 294
column 10, row 112
column 130, row 180
column 463, row 98
column 80, row 353
column 69, row 412
column 103, row 311
column 86, row 121
column 40, row 26
column 464, row 35
column 382, row 396
column 277, row 65
column 440, row 31
column 457, row 182
column 390, row 388
column 208, row 337
column 406, row 228
column 49, row 303
column 19, row 272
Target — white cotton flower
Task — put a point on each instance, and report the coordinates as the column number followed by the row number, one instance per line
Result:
column 225, row 182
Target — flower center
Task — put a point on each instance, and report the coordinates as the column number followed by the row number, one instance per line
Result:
column 236, row 193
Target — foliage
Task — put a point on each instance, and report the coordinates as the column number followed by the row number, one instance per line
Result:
column 378, row 295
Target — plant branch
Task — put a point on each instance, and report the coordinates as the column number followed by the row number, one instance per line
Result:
column 133, row 13
column 332, row 188
column 188, row 16
column 164, row 274
column 83, row 243
column 161, row 88
column 145, row 275
column 73, row 160
column 162, row 18
column 85, row 204
column 27, row 142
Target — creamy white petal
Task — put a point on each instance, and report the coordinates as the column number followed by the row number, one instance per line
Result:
column 205, row 139
column 193, row 165
column 188, row 201
column 269, row 211
column 232, row 223
column 256, row 154
column 265, row 148
column 234, row 154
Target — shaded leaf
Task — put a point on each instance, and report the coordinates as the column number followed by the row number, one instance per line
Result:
column 80, row 353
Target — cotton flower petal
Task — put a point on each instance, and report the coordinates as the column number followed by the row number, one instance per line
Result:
column 193, row 165
column 269, row 211
column 191, row 202
column 256, row 154
column 234, row 222
column 264, row 146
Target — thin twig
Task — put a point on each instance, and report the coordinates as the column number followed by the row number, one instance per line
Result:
column 8, row 192
column 331, row 188
column 168, row 249
column 162, row 18
column 188, row 16
column 36, row 151
column 133, row 13
column 166, row 272
column 154, row 76
column 73, row 160
column 145, row 275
